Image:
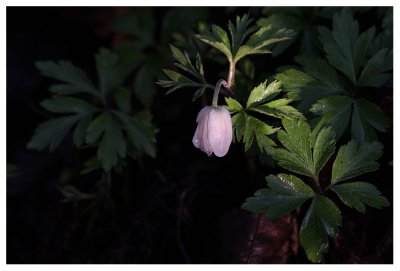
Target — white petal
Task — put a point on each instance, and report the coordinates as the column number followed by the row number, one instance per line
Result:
column 220, row 130
column 200, row 138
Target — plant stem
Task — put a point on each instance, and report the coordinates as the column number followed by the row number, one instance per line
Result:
column 216, row 91
column 231, row 75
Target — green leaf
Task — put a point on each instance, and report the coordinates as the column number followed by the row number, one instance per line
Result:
column 141, row 132
column 358, row 194
column 185, row 63
column 324, row 73
column 112, row 145
column 122, row 98
column 218, row 39
column 367, row 116
column 72, row 194
column 260, row 130
column 297, row 156
column 324, row 147
column 65, row 71
column 307, row 89
column 385, row 38
column 322, row 219
column 64, row 89
column 374, row 74
column 61, row 104
column 355, row 159
column 304, row 153
column 263, row 92
column 198, row 93
column 339, row 44
column 139, row 23
column 285, row 193
column 239, row 125
column 108, row 70
column 50, row 133
column 144, row 85
column 80, row 130
column 279, row 109
column 240, row 31
column 181, row 81
column 335, row 111
column 265, row 36
column 91, row 165
column 233, row 105
column 281, row 21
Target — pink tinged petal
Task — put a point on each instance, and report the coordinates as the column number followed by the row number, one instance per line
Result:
column 220, row 131
column 200, row 138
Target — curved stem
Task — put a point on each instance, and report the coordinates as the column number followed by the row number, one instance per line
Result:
column 216, row 91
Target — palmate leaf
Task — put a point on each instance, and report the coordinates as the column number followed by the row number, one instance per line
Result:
column 248, row 128
column 344, row 47
column 355, row 159
column 282, row 21
column 358, row 194
column 65, row 71
column 322, row 219
column 178, row 80
column 338, row 111
column 302, row 153
column 106, row 130
column 49, row 134
column 261, row 40
column 235, row 47
column 259, row 130
column 285, row 193
column 373, row 74
column 347, row 51
column 263, row 92
column 318, row 81
column 218, row 39
column 61, row 104
column 141, row 132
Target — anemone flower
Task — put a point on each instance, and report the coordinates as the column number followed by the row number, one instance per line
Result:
column 214, row 128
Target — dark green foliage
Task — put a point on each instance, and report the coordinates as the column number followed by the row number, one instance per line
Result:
column 247, row 127
column 94, row 123
column 178, row 80
column 285, row 193
column 235, row 48
column 306, row 152
column 355, row 159
column 322, row 219
column 358, row 194
column 302, row 153
column 342, row 111
column 353, row 63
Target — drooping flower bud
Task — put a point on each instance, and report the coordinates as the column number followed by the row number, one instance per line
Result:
column 214, row 127
column 214, row 131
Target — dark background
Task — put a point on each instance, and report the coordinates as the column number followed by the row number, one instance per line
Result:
column 182, row 207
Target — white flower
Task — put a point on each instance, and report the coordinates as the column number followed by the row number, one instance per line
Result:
column 214, row 131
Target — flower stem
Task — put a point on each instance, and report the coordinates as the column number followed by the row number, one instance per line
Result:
column 216, row 91
column 231, row 75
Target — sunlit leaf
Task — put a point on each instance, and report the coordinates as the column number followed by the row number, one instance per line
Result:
column 322, row 219
column 285, row 193
column 358, row 194
column 355, row 159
